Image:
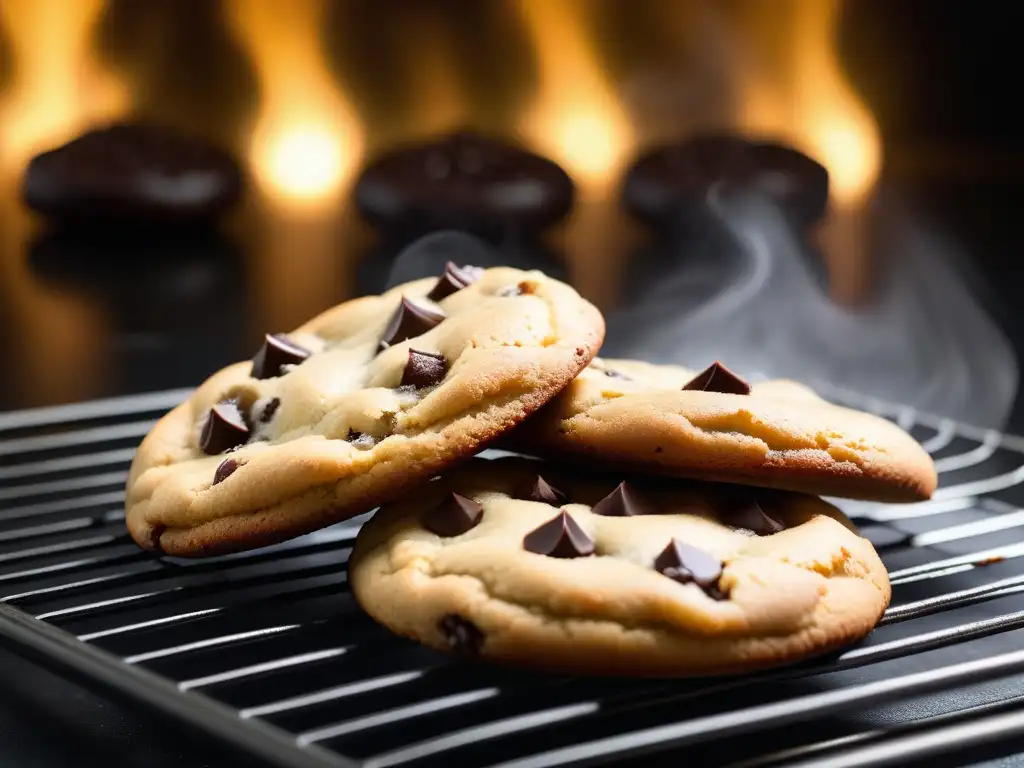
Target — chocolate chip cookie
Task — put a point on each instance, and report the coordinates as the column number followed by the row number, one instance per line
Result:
column 713, row 425
column 519, row 561
column 133, row 173
column 355, row 407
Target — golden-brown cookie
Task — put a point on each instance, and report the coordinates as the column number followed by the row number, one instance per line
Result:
column 781, row 435
column 520, row 561
column 356, row 406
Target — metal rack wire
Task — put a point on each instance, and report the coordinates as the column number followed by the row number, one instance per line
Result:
column 267, row 649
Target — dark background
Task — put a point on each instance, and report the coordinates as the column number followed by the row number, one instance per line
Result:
column 90, row 317
column 84, row 317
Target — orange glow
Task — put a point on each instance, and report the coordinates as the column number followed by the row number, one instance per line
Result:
column 307, row 142
column 58, row 88
column 838, row 128
column 577, row 119
column 812, row 103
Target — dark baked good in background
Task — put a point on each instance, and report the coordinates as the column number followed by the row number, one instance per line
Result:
column 669, row 185
column 463, row 181
column 133, row 173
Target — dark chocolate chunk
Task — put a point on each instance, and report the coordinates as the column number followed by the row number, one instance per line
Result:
column 624, row 501
column 132, row 174
column 669, row 186
column 463, row 181
column 410, row 320
column 269, row 410
column 747, row 514
column 454, row 279
column 423, row 369
column 717, row 378
column 353, row 435
column 453, row 516
column 684, row 563
column 224, row 428
column 561, row 536
column 276, row 351
column 462, row 635
column 540, row 490
column 225, row 469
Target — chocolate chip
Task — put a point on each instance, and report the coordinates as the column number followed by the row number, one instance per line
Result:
column 749, row 515
column 269, row 410
column 684, row 563
column 717, row 378
column 224, row 429
column 225, row 469
column 276, row 351
column 624, row 501
column 561, row 536
column 462, row 635
column 410, row 320
column 353, row 435
column 541, row 491
column 454, row 279
column 423, row 369
column 453, row 516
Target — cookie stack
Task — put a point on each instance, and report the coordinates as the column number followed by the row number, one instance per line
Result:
column 666, row 527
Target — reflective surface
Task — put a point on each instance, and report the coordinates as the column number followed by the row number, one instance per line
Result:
column 305, row 91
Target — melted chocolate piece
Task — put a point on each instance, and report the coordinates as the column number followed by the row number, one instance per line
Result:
column 353, row 435
column 410, row 320
column 462, row 635
column 560, row 536
column 423, row 369
column 683, row 563
column 749, row 515
column 717, row 378
column 624, row 501
column 224, row 429
column 454, row 279
column 225, row 469
column 453, row 516
column 276, row 351
column 541, row 491
column 269, row 410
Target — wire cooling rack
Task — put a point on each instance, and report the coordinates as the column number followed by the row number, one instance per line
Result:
column 268, row 651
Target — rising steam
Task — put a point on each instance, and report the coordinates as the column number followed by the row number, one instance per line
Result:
column 923, row 340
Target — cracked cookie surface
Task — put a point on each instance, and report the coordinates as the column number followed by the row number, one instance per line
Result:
column 781, row 434
column 356, row 406
column 654, row 577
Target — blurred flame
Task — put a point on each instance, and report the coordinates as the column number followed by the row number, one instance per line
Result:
column 58, row 87
column 577, row 120
column 307, row 142
column 837, row 128
column 808, row 100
